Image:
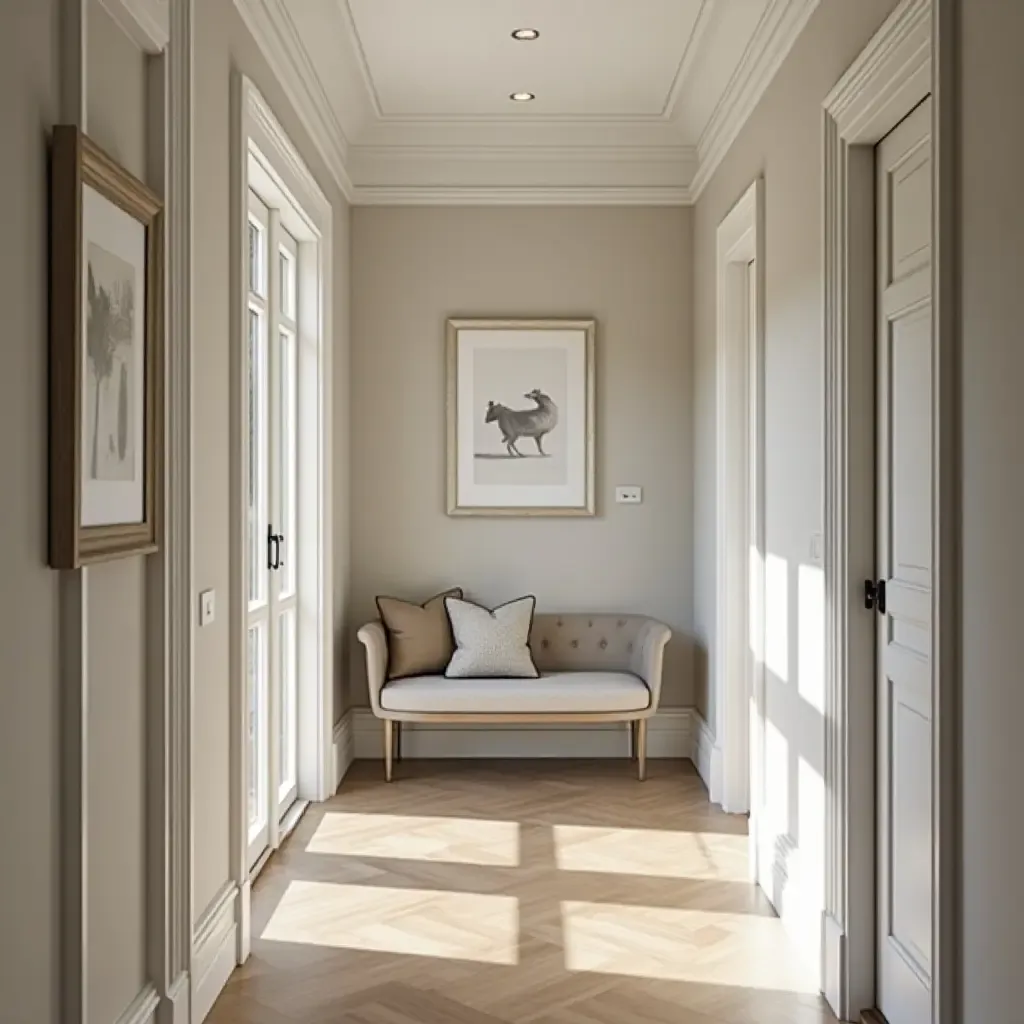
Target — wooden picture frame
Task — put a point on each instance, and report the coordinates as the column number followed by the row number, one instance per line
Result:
column 510, row 459
column 106, row 249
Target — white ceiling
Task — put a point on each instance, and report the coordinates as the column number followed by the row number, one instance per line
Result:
column 456, row 58
column 637, row 100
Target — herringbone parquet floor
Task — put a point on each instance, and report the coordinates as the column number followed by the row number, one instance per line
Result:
column 517, row 893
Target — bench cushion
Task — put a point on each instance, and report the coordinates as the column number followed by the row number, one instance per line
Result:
column 552, row 693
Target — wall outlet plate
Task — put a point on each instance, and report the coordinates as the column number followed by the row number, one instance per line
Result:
column 629, row 495
column 207, row 607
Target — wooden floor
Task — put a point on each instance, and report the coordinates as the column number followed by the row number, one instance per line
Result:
column 514, row 892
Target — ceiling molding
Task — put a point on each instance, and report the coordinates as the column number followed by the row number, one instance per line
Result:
column 777, row 31
column 147, row 22
column 518, row 174
column 468, row 195
column 272, row 28
column 700, row 26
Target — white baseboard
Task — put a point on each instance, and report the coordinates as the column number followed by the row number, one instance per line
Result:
column 707, row 756
column 143, row 1007
column 214, row 951
column 668, row 735
column 176, row 1008
column 833, row 981
column 344, row 748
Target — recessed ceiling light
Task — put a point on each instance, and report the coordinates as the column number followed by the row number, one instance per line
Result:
column 525, row 34
column 522, row 97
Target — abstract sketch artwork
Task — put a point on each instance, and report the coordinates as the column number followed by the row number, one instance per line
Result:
column 106, row 273
column 110, row 378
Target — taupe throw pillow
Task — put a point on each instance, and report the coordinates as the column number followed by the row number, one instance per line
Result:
column 419, row 635
column 491, row 643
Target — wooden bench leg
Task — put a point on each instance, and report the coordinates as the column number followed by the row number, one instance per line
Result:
column 641, row 749
column 389, row 747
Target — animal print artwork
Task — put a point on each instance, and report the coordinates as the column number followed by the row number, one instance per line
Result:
column 515, row 424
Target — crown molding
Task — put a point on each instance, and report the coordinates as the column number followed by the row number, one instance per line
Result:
column 147, row 22
column 526, row 195
column 777, row 31
column 271, row 26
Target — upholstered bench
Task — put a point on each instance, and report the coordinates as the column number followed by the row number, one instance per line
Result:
column 593, row 668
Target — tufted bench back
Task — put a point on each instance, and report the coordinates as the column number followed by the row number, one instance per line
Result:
column 598, row 642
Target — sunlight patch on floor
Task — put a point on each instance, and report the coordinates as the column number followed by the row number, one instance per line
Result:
column 409, row 837
column 652, row 853
column 408, row 922
column 698, row 946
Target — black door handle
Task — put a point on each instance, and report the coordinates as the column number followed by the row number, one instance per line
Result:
column 874, row 595
column 274, row 548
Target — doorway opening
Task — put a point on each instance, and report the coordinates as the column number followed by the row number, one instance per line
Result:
column 282, row 605
column 736, row 777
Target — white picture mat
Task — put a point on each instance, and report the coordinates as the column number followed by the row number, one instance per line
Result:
column 113, row 502
column 572, row 419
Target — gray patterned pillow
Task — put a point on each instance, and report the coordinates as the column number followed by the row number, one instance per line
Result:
column 491, row 643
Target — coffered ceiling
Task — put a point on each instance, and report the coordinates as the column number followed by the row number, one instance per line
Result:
column 636, row 101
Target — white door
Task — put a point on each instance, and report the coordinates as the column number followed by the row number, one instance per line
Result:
column 904, row 466
column 271, row 521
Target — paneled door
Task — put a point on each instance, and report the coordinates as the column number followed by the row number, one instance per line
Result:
column 271, row 520
column 902, row 593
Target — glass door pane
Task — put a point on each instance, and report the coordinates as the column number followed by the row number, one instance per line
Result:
column 257, row 508
column 285, row 444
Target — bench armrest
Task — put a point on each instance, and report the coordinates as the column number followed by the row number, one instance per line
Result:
column 375, row 640
column 649, row 657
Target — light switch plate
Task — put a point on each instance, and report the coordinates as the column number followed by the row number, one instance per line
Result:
column 629, row 495
column 207, row 607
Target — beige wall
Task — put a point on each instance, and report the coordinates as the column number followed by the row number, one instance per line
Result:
column 992, row 234
column 116, row 841
column 782, row 141
column 29, row 83
column 628, row 268
column 224, row 46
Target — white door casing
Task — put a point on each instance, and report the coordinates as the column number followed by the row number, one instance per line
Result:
column 738, row 675
column 904, row 438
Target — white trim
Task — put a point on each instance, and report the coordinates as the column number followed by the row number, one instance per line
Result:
column 526, row 195
column 891, row 76
column 147, row 22
column 172, row 962
column 344, row 748
column 214, row 951
column 779, row 28
column 143, row 1008
column 275, row 34
column 737, row 670
column 668, row 735
column 707, row 756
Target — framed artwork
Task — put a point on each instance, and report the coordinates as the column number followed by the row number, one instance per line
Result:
column 106, row 275
column 521, row 417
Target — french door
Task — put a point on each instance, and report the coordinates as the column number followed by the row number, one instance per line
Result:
column 271, row 521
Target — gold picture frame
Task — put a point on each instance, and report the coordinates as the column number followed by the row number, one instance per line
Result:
column 106, row 233
column 488, row 362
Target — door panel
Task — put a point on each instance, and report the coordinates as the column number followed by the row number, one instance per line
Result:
column 904, row 488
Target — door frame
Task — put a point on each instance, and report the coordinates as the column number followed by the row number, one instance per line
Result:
column 735, row 780
column 265, row 158
column 892, row 75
